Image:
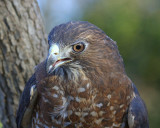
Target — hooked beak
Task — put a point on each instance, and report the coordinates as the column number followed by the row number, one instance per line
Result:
column 55, row 59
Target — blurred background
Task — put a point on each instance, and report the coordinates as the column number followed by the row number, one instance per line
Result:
column 134, row 25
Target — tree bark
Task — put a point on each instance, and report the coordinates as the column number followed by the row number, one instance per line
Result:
column 22, row 47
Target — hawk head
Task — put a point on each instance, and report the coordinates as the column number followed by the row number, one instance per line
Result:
column 80, row 46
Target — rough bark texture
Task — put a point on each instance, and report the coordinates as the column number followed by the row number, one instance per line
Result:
column 22, row 46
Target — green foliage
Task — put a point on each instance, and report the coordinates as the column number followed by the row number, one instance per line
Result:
column 135, row 25
column 1, row 126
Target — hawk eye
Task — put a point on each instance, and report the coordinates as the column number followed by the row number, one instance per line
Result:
column 78, row 47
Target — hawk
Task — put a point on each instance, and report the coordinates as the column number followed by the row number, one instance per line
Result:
column 81, row 84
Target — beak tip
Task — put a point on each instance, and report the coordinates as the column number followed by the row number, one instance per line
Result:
column 49, row 69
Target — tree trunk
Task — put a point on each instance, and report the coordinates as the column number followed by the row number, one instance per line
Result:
column 22, row 46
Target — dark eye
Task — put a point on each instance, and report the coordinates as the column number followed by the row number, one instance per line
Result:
column 78, row 47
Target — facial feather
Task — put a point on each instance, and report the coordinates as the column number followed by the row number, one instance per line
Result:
column 101, row 51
